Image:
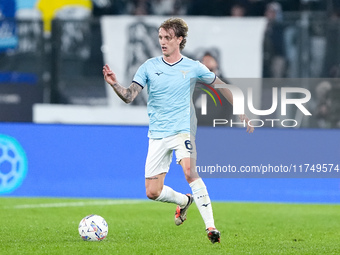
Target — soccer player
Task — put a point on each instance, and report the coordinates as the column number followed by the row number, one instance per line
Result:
column 170, row 80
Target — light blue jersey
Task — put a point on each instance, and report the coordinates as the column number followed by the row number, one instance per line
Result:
column 170, row 88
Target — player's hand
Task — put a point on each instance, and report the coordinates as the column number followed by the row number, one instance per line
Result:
column 245, row 118
column 109, row 75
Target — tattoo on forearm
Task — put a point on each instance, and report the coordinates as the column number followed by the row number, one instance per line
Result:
column 127, row 94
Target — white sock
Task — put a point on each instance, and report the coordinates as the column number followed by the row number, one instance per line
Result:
column 170, row 196
column 202, row 200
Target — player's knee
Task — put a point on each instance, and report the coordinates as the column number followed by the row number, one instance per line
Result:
column 188, row 174
column 187, row 170
column 152, row 194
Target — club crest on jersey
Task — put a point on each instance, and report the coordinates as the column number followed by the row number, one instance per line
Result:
column 184, row 73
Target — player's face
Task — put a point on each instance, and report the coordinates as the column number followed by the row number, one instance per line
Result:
column 168, row 41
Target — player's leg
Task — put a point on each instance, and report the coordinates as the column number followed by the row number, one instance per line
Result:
column 199, row 192
column 154, row 185
column 186, row 156
column 156, row 190
column 201, row 197
column 156, row 166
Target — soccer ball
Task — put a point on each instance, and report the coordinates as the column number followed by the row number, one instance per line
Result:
column 93, row 228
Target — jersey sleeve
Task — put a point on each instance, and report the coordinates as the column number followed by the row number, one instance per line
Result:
column 141, row 76
column 204, row 74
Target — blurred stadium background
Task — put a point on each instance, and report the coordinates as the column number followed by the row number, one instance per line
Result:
column 81, row 141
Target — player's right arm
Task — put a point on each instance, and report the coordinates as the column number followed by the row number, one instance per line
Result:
column 126, row 94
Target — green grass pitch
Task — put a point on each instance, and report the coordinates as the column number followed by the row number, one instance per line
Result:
column 50, row 226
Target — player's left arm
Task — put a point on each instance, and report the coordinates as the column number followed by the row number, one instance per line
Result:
column 229, row 96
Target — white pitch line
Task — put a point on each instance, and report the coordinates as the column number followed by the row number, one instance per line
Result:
column 75, row 204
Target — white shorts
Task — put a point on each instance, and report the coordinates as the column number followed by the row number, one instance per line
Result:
column 161, row 150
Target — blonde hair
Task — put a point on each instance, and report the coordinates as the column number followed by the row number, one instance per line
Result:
column 179, row 26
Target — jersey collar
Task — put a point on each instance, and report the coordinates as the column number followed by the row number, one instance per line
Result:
column 172, row 63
